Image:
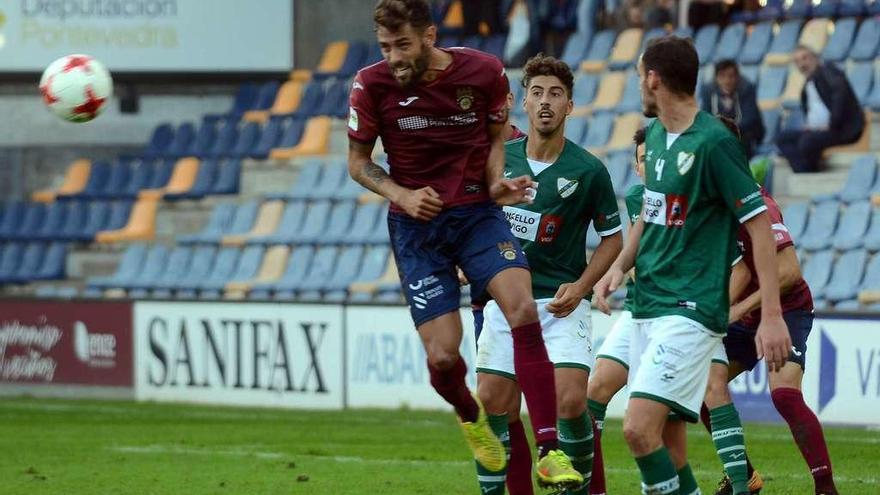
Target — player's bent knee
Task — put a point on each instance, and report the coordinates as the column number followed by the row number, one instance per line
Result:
column 522, row 312
column 639, row 440
column 717, row 394
column 571, row 404
column 442, row 359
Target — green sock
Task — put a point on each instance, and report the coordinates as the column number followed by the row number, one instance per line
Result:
column 492, row 482
column 576, row 441
column 687, row 484
column 727, row 433
column 658, row 473
column 597, row 411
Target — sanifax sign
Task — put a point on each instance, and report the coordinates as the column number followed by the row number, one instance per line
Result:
column 149, row 35
column 244, row 354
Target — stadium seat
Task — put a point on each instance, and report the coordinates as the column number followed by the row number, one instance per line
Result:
column 297, row 265
column 13, row 212
column 287, row 100
column 706, row 41
column 335, row 173
column 26, row 269
column 218, row 223
column 619, row 165
column 772, row 119
column 153, row 266
column 56, row 216
column 631, row 100
column 96, row 219
column 609, row 94
column 140, row 176
column 314, row 223
column 861, row 78
column 846, row 276
column 863, row 144
column 339, row 223
column 318, row 270
column 730, row 42
column 794, row 84
column 852, row 8
column 873, row 100
column 815, row 34
column 225, row 264
column 288, row 226
column 796, row 215
column 853, row 226
column 31, row 221
column 265, row 96
column 625, row 127
column 248, row 137
column 373, row 266
column 826, row 8
column 183, row 138
column 128, row 268
column 240, row 222
column 817, row 271
column 197, row 268
column 474, row 42
column 864, row 48
column 599, row 52
column 783, row 43
column 74, row 222
column 653, row 34
column 339, row 272
column 170, row 268
column 118, row 179
column 203, row 141
column 355, row 58
column 576, row 47
column 201, row 186
column 265, row 224
column 290, row 137
column 495, row 45
column 162, row 170
column 306, row 181
column 848, row 305
column 364, row 290
column 99, row 173
column 871, row 240
column 840, row 41
column 310, row 103
column 53, row 264
column 160, row 140
column 379, row 234
column 349, row 190
column 10, row 260
column 181, row 181
column 271, row 269
column 75, row 180
column 599, row 131
column 227, row 177
column 799, row 9
column 861, row 178
column 626, row 49
column 365, row 218
column 271, row 135
column 315, row 141
column 227, row 135
column 821, row 226
column 757, row 44
column 141, row 225
column 332, row 59
column 335, row 98
column 584, row 91
column 245, row 98
column 575, row 128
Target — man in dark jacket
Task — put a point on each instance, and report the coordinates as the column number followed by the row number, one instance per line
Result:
column 832, row 114
column 733, row 97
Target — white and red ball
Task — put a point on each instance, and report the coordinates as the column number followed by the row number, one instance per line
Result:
column 76, row 88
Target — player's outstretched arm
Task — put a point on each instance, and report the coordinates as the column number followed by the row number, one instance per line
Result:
column 624, row 262
column 422, row 204
column 772, row 340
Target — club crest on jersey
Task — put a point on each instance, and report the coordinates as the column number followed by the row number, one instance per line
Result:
column 566, row 186
column 685, row 162
column 465, row 97
column 507, row 250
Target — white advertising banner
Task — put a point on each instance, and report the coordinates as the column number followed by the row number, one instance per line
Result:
column 240, row 354
column 149, row 35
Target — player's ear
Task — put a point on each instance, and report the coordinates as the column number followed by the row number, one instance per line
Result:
column 569, row 107
column 430, row 35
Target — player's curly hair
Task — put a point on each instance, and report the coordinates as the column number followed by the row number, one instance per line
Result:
column 545, row 65
column 639, row 136
column 394, row 14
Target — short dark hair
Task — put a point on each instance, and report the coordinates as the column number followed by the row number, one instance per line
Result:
column 676, row 61
column 545, row 65
column 394, row 14
column 731, row 125
column 803, row 47
column 639, row 136
column 725, row 64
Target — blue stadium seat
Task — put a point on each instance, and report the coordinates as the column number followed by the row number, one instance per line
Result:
column 447, row 41
column 826, row 8
column 161, row 173
column 291, row 134
column 159, row 142
column 30, row 223
column 265, row 96
column 246, row 268
column 245, row 97
column 751, row 73
column 848, row 305
column 575, row 50
column 852, row 8
column 241, row 222
column 757, row 44
column 318, row 269
column 794, row 120
column 218, row 223
column 684, row 32
column 864, row 48
column 248, row 137
column 269, row 138
column 355, row 58
column 228, row 177
column 184, row 136
column 364, row 223
column 861, row 78
column 26, row 270
column 98, row 176
column 203, row 184
column 846, row 276
column 314, row 223
column 306, row 181
column 872, row 236
column 650, row 35
column 310, row 102
column 619, row 165
column 129, row 267
column 861, row 178
column 116, row 219
column 13, row 213
column 494, row 45
column 374, row 264
column 56, row 217
column 600, row 46
column 632, row 179
column 333, row 90
column 593, row 239
column 474, row 42
column 332, row 178
column 706, row 41
column 821, row 226
column 575, row 128
column 140, row 177
column 288, row 228
column 153, row 266
column 772, row 119
column 599, row 131
column 176, row 265
column 799, row 9
column 817, row 271
column 350, row 261
column 324, row 266
column 117, row 182
column 54, row 263
column 730, row 42
column 200, row 263
column 227, row 135
column 349, row 190
column 853, row 226
column 840, row 41
column 203, row 141
column 796, row 215
column 298, row 264
column 222, row 269
column 871, row 280
column 584, row 91
column 873, row 100
column 772, row 82
column 75, row 222
column 339, row 223
column 787, row 37
column 631, row 101
column 96, row 215
column 10, row 259
column 379, row 234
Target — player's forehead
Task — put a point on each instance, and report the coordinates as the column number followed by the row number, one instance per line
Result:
column 546, row 82
column 393, row 36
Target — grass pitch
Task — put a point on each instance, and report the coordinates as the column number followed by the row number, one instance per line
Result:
column 86, row 447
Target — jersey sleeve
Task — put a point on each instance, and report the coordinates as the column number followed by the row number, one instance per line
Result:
column 732, row 180
column 606, row 216
column 498, row 89
column 634, row 199
column 363, row 120
column 780, row 232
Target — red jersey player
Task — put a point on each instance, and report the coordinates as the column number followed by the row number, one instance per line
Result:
column 441, row 114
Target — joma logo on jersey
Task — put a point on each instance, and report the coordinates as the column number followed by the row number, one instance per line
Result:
column 669, row 210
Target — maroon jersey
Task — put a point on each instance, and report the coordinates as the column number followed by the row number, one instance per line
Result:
column 799, row 297
column 435, row 133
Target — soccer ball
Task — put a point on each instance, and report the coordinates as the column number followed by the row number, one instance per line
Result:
column 76, row 87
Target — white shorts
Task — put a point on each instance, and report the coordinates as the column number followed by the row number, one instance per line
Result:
column 616, row 345
column 669, row 359
column 569, row 340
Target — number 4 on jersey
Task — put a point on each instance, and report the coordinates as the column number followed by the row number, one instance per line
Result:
column 658, row 168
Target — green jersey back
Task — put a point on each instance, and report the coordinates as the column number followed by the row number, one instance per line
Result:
column 571, row 192
column 697, row 185
column 634, row 197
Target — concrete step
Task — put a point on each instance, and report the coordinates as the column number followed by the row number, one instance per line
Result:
column 92, row 261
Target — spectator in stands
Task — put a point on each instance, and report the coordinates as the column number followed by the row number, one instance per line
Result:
column 486, row 11
column 832, row 113
column 702, row 12
column 660, row 14
column 734, row 97
column 551, row 21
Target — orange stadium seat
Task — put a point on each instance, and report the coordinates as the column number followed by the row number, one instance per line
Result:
column 286, row 101
column 609, row 93
column 182, row 180
column 454, row 16
column 141, row 225
column 265, row 224
column 625, row 49
column 791, row 95
column 271, row 269
column 391, row 276
column 625, row 126
column 315, row 141
column 333, row 57
column 75, row 181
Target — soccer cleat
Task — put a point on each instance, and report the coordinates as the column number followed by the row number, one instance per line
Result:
column 756, row 484
column 555, row 470
column 487, row 448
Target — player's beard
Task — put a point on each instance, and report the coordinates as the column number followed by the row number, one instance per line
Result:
column 551, row 128
column 649, row 104
column 417, row 68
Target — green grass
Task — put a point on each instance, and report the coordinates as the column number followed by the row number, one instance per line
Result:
column 86, row 447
